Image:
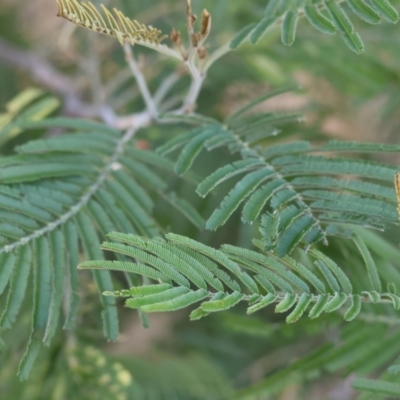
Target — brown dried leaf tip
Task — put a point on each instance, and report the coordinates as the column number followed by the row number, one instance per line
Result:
column 205, row 23
column 191, row 18
column 397, row 187
column 117, row 25
column 175, row 36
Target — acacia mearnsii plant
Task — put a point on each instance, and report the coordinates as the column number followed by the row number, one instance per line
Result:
column 210, row 164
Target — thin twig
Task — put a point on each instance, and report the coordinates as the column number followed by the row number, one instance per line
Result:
column 165, row 87
column 42, row 72
column 216, row 55
column 137, row 73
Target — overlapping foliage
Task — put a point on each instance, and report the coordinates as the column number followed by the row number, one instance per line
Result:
column 60, row 196
column 327, row 16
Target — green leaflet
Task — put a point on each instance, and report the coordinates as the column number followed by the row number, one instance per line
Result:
column 364, row 11
column 282, row 197
column 57, row 244
column 89, row 239
column 301, row 306
column 349, row 146
column 372, row 295
column 269, row 228
column 118, row 217
column 197, row 266
column 220, row 139
column 148, row 289
column 100, row 216
column 344, row 25
column 226, row 172
column 79, row 142
column 143, row 173
column 289, row 26
column 18, row 285
column 328, row 275
column 265, row 283
column 269, row 263
column 42, row 293
column 164, row 252
column 292, row 236
column 272, row 8
column 29, row 358
column 236, row 196
column 376, row 386
column 386, row 10
column 192, row 119
column 199, row 313
column 314, row 165
column 252, row 123
column 261, row 28
column 177, row 303
column 42, row 284
column 288, row 301
column 395, row 300
column 258, row 100
column 369, row 263
column 318, row 20
column 259, row 199
column 366, row 189
column 319, row 306
column 265, row 301
column 7, row 262
column 224, row 304
column 134, row 189
column 34, row 172
column 354, row 308
column 307, row 274
column 216, row 255
column 336, row 302
column 71, row 243
column 125, row 266
column 153, row 261
column 214, row 269
column 241, row 36
column 376, row 206
column 132, row 208
column 266, row 277
column 161, row 297
column 286, row 148
column 192, row 149
column 177, row 142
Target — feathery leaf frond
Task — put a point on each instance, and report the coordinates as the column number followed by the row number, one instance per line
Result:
column 114, row 24
column 310, row 197
column 328, row 17
column 284, row 281
column 107, row 184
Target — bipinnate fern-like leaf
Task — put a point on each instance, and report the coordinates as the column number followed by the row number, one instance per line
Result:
column 353, row 354
column 63, row 193
column 189, row 272
column 299, row 197
column 114, row 24
column 327, row 16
